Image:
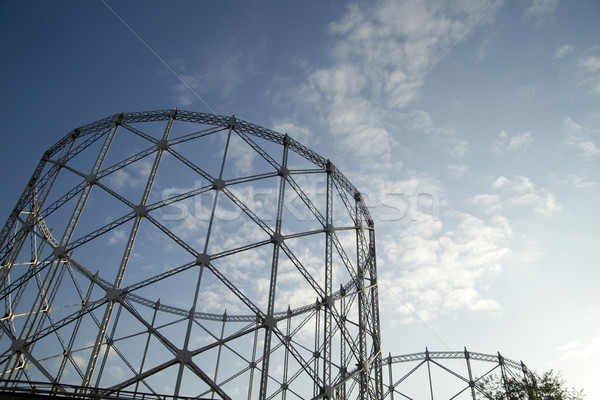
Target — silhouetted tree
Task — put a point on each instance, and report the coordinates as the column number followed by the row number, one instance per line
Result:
column 548, row 386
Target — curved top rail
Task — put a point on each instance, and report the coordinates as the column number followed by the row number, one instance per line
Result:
column 453, row 355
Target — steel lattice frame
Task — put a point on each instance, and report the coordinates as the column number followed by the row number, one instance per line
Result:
column 80, row 320
column 447, row 374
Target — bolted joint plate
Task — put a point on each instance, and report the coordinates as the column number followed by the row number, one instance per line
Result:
column 231, row 123
column 218, row 184
column 277, row 238
column 91, row 179
column 28, row 226
column 140, row 210
column 327, row 392
column 287, row 140
column 60, row 252
column 283, row 171
column 162, row 144
column 184, row 356
column 270, row 322
column 203, row 259
column 18, row 346
column 113, row 294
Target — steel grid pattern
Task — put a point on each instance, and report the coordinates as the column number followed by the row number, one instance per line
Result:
column 123, row 329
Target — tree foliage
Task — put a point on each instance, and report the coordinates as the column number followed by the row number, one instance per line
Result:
column 531, row 386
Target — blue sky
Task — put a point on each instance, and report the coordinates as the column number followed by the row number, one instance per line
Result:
column 472, row 128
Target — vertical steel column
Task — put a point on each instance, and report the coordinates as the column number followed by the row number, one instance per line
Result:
column 183, row 355
column 218, row 184
column 362, row 306
column 471, row 382
column 507, row 388
column 219, row 352
column 343, row 344
column 317, row 335
column 288, row 330
column 67, row 354
column 156, row 306
column 530, row 386
column 113, row 295
column 428, row 361
column 328, row 300
column 109, row 343
column 277, row 239
column 391, row 377
column 253, row 362
column 375, row 322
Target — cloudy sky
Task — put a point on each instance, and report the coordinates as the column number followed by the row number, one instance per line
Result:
column 471, row 126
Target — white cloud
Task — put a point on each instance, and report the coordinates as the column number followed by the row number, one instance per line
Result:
column 230, row 63
column 445, row 272
column 563, row 51
column 578, row 350
column 490, row 202
column 515, row 193
column 588, row 70
column 578, row 181
column 482, row 50
column 117, row 236
column 580, row 138
column 457, row 171
column 515, row 143
column 458, row 148
column 589, row 64
column 379, row 58
column 133, row 176
column 540, row 11
column 443, row 136
column 242, row 157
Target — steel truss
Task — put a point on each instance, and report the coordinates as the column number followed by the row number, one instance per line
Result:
column 78, row 321
column 447, row 374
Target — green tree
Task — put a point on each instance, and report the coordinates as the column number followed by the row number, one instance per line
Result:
column 548, row 386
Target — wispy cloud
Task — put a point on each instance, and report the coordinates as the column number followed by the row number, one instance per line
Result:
column 588, row 68
column 540, row 11
column 133, row 176
column 506, row 143
column 579, row 350
column 380, row 54
column 446, row 271
column 562, row 51
column 580, row 138
column 457, row 171
column 229, row 65
column 444, row 136
column 578, row 181
column 517, row 193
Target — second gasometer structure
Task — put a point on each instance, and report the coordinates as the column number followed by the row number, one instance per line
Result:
column 178, row 253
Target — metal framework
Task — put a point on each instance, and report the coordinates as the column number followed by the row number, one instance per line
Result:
column 448, row 375
column 268, row 289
